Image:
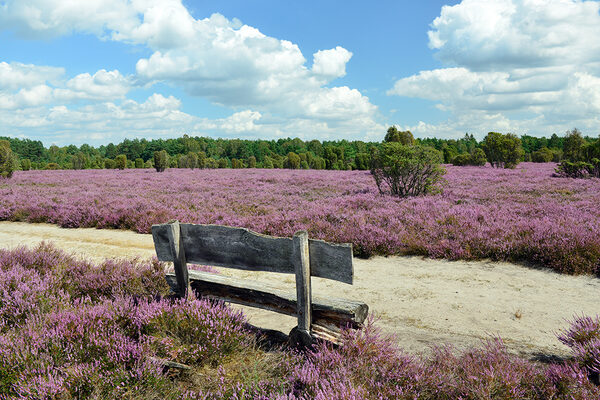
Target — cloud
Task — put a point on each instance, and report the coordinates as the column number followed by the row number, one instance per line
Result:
column 530, row 65
column 222, row 60
column 26, row 85
column 495, row 34
column 331, row 63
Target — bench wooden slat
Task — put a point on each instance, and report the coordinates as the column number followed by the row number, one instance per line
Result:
column 243, row 249
column 325, row 310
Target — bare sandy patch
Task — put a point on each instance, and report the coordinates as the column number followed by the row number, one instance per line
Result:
column 423, row 302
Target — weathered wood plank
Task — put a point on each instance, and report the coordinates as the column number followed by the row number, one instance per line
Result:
column 243, row 249
column 179, row 261
column 301, row 263
column 325, row 310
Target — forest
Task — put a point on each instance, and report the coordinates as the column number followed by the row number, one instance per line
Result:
column 293, row 153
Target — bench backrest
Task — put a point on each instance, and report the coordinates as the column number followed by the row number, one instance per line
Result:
column 241, row 248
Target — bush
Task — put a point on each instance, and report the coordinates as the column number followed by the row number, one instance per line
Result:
column 52, row 166
column 579, row 169
column 25, row 164
column 160, row 160
column 109, row 164
column 8, row 162
column 223, row 163
column 574, row 146
column 406, row 170
column 478, row 158
column 121, row 161
column 583, row 337
column 542, row 155
column 236, row 163
column 139, row 163
column 251, row 162
column 462, row 159
column 404, row 137
column 292, row 161
column 502, row 151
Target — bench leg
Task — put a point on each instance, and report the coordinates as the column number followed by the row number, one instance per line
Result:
column 301, row 261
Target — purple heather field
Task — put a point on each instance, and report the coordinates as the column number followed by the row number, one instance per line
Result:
column 522, row 215
column 70, row 329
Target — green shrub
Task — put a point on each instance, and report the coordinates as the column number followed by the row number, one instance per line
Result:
column 462, row 159
column 542, row 155
column 223, row 163
column 236, row 164
column 160, row 160
column 109, row 164
column 25, row 164
column 402, row 170
column 121, row 161
column 139, row 163
column 251, row 162
column 52, row 166
column 394, row 135
column 292, row 161
column 8, row 162
column 477, row 158
column 502, row 151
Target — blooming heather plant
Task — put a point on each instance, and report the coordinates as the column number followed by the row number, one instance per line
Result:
column 517, row 215
column 71, row 329
column 68, row 332
column 583, row 337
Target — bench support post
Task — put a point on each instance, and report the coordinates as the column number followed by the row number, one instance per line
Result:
column 300, row 254
column 179, row 261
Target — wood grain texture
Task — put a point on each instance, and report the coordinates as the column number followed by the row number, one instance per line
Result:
column 326, row 311
column 243, row 249
column 179, row 260
column 301, row 261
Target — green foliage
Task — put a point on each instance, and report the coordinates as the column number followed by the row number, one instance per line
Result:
column 223, row 163
column 139, row 163
column 362, row 161
column 8, row 162
column 402, row 170
column 579, row 169
column 79, row 160
column 292, row 161
column 161, row 161
column 251, row 162
column 121, row 161
column 574, row 146
column 236, row 164
column 502, row 151
column 109, row 164
column 403, row 137
column 462, row 159
column 25, row 164
column 542, row 155
column 53, row 166
column 477, row 158
column 267, row 163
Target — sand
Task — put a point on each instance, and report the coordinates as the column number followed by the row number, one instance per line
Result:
column 423, row 302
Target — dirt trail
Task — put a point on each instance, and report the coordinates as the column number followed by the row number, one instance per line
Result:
column 424, row 302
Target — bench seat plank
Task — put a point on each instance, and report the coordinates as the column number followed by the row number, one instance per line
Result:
column 326, row 310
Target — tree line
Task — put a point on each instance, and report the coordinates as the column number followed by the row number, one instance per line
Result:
column 294, row 153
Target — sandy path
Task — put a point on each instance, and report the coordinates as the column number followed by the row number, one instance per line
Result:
column 424, row 302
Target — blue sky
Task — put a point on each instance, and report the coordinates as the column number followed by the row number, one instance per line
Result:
column 100, row 71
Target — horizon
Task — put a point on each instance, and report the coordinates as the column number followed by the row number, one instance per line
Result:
column 104, row 71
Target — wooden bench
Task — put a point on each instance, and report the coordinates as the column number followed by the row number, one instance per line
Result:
column 216, row 245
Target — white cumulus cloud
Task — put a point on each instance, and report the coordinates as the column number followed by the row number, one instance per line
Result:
column 217, row 58
column 531, row 65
